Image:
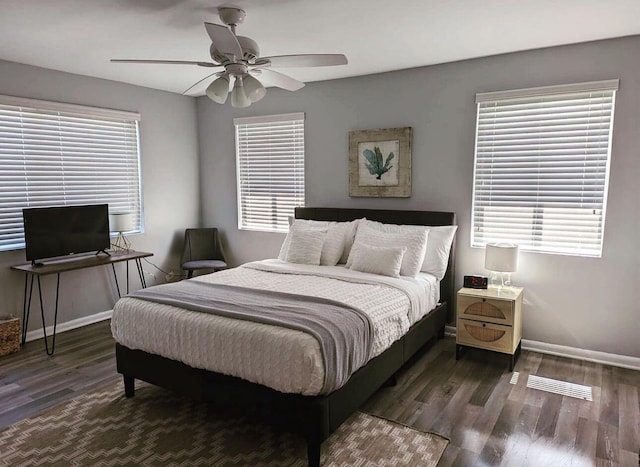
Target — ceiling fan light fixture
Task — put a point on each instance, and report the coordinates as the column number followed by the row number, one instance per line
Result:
column 218, row 90
column 240, row 57
column 253, row 88
column 239, row 97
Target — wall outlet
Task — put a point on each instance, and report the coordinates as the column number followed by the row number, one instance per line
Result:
column 172, row 277
column 152, row 276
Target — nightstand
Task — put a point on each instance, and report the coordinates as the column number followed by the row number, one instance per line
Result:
column 490, row 319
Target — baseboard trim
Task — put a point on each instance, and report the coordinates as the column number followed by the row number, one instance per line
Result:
column 69, row 325
column 622, row 361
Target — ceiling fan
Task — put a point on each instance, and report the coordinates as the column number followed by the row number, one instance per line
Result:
column 244, row 69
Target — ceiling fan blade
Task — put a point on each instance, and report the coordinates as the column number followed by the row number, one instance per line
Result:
column 165, row 62
column 278, row 79
column 216, row 74
column 223, row 40
column 304, row 60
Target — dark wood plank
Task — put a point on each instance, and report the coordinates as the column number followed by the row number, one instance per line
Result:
column 609, row 406
column 548, row 418
column 629, row 458
column 607, row 448
column 460, row 430
column 586, row 438
column 454, row 390
column 519, row 447
column 629, row 418
column 490, row 378
column 483, row 426
column 464, row 458
column 495, row 447
column 567, row 423
column 457, row 407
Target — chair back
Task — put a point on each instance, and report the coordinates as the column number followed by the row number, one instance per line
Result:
column 202, row 244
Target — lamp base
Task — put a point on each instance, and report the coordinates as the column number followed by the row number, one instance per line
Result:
column 121, row 244
column 499, row 280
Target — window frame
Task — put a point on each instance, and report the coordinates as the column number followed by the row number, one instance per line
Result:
column 585, row 248
column 295, row 171
column 79, row 124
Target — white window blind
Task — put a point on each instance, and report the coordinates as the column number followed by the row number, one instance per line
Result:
column 54, row 154
column 270, row 166
column 542, row 167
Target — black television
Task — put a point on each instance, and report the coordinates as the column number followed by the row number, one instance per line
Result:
column 65, row 230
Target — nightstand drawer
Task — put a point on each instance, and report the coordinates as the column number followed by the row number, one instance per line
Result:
column 485, row 309
column 485, row 335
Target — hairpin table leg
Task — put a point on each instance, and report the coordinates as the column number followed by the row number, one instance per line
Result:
column 55, row 317
column 26, row 306
column 115, row 277
column 141, row 273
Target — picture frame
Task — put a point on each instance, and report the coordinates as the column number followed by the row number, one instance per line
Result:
column 380, row 163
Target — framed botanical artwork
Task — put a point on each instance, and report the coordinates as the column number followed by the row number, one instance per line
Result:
column 380, row 163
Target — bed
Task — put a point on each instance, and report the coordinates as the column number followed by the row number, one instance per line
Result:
column 306, row 410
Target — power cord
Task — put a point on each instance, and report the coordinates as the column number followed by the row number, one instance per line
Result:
column 168, row 275
column 155, row 266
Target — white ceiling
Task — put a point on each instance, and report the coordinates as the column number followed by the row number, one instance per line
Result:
column 80, row 36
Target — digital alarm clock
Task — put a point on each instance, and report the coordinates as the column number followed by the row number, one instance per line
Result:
column 476, row 282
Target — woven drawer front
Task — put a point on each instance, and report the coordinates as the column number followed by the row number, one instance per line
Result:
column 485, row 335
column 485, row 309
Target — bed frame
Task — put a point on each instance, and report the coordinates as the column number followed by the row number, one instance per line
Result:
column 314, row 417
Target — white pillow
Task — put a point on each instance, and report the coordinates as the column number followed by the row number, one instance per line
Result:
column 415, row 241
column 439, row 244
column 438, row 248
column 338, row 240
column 349, row 236
column 299, row 224
column 305, row 246
column 385, row 261
column 334, row 243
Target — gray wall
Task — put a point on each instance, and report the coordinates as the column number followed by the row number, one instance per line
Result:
column 169, row 151
column 579, row 302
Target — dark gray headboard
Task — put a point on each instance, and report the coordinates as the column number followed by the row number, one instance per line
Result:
column 447, row 285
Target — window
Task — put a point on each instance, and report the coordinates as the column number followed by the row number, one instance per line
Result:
column 270, row 166
column 54, row 154
column 542, row 167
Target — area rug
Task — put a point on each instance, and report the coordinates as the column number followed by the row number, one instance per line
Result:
column 157, row 428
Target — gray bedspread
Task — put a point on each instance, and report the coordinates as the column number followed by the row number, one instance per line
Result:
column 345, row 333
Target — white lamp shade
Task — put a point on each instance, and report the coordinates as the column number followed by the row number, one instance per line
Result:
column 121, row 222
column 238, row 96
column 501, row 257
column 253, row 88
column 218, row 90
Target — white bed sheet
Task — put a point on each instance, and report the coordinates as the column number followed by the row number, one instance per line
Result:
column 283, row 359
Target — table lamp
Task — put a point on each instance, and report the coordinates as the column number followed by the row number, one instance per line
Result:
column 121, row 222
column 502, row 259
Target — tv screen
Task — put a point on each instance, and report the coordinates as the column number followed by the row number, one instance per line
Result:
column 58, row 231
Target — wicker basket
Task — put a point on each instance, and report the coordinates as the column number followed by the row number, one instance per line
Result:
column 9, row 335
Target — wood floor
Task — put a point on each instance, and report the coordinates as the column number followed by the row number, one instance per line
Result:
column 492, row 421
column 31, row 382
column 491, row 418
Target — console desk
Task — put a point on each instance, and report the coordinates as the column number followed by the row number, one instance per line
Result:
column 58, row 266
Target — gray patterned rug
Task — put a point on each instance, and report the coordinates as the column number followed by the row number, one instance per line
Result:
column 157, row 428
